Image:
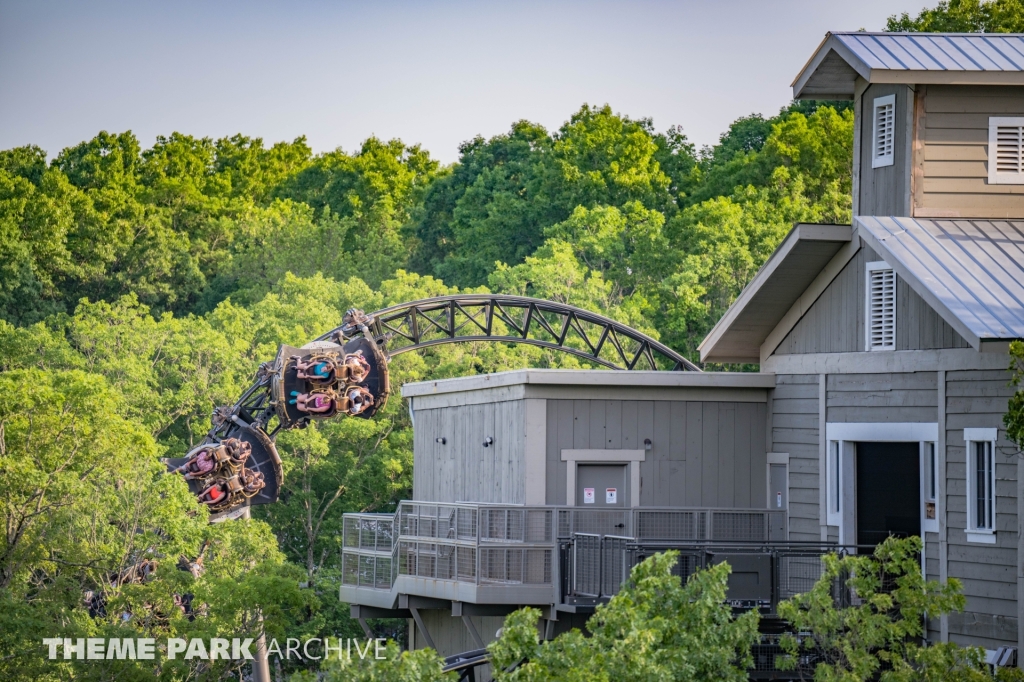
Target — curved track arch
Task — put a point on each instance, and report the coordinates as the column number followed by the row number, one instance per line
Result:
column 454, row 319
column 518, row 319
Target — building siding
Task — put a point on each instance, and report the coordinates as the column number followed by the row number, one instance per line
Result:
column 882, row 398
column 835, row 322
column 885, row 190
column 988, row 572
column 702, row 453
column 795, row 431
column 951, row 152
column 462, row 469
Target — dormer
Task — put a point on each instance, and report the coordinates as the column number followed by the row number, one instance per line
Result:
column 939, row 120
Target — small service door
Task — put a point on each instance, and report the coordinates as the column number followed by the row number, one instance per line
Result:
column 778, row 490
column 602, row 485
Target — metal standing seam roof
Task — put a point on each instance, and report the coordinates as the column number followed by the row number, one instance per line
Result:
column 937, row 51
column 971, row 271
column 963, row 58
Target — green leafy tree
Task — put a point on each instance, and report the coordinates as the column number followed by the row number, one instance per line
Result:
column 964, row 16
column 1014, row 417
column 654, row 628
column 881, row 635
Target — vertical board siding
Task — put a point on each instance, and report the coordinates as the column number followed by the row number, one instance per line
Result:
column 988, row 572
column 918, row 326
column 462, row 469
column 835, row 322
column 883, row 191
column 451, row 636
column 795, row 431
column 702, row 453
column 954, row 152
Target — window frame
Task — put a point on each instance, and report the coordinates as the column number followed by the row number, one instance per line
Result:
column 871, row 267
column 930, row 484
column 883, row 160
column 994, row 176
column 833, row 481
column 972, row 439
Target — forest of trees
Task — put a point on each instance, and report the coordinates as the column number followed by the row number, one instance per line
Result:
column 139, row 288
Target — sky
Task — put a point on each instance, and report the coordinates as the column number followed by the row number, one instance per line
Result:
column 432, row 73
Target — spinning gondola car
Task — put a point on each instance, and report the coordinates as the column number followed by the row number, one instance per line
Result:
column 262, row 463
column 324, row 380
column 237, row 465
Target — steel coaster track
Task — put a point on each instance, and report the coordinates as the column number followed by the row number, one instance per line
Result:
column 479, row 317
column 518, row 319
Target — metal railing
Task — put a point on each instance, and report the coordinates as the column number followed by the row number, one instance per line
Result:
column 675, row 524
column 517, row 545
column 595, row 567
column 481, row 544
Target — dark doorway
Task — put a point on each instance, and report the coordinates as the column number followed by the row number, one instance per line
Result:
column 888, row 491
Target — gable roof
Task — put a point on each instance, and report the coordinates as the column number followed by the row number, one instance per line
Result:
column 776, row 287
column 953, row 58
column 970, row 271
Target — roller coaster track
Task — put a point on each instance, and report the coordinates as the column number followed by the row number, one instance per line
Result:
column 517, row 319
column 486, row 317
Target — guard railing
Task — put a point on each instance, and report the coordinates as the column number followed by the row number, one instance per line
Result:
column 518, row 545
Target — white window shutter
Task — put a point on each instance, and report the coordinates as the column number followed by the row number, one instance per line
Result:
column 1006, row 150
column 881, row 307
column 884, row 128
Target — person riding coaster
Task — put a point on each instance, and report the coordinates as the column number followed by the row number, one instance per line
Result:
column 318, row 402
column 357, row 399
column 230, row 454
column 252, row 482
column 317, row 369
column 326, row 370
column 218, row 495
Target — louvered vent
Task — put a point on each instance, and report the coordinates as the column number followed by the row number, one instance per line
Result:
column 1006, row 150
column 884, row 127
column 881, row 309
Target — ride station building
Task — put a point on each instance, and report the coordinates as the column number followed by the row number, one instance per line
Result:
column 877, row 410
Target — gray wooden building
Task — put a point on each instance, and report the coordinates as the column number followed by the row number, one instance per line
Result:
column 888, row 339
column 877, row 410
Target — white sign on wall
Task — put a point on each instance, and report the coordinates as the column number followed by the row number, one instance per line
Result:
column 610, row 495
column 588, row 496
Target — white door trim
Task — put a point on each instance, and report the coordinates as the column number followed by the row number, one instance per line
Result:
column 895, row 432
column 630, row 457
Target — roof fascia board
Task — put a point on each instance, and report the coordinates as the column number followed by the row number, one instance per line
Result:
column 804, row 232
column 585, row 378
column 859, row 86
column 949, row 77
column 921, row 290
column 807, row 299
column 830, row 43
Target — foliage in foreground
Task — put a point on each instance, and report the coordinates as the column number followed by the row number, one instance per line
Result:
column 1014, row 417
column 655, row 628
column 881, row 635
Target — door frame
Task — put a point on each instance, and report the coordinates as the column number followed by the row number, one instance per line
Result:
column 849, row 433
column 630, row 457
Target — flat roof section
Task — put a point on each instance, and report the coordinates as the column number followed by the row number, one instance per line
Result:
column 592, row 378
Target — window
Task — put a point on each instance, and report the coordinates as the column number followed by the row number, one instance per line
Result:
column 882, row 143
column 981, row 485
column 1006, row 150
column 834, row 494
column 881, row 306
column 929, row 487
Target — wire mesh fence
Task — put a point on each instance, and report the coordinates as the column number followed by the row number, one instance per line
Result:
column 467, row 542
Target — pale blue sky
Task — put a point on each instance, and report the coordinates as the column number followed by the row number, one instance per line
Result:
column 436, row 73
